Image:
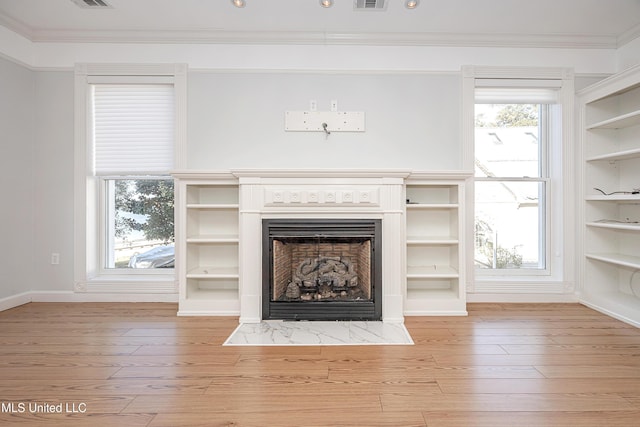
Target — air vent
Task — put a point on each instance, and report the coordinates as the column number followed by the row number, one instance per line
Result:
column 92, row 4
column 369, row 4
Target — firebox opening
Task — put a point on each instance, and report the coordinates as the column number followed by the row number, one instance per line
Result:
column 322, row 269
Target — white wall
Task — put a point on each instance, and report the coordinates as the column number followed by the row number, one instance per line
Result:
column 17, row 147
column 236, row 120
column 237, row 98
column 36, row 168
column 53, row 173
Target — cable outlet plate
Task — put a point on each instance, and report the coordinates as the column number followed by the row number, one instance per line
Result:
column 311, row 121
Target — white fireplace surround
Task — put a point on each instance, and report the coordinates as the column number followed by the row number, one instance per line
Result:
column 321, row 194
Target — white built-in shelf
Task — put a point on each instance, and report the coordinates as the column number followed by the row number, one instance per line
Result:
column 610, row 151
column 618, row 155
column 432, row 272
column 615, row 225
column 213, row 273
column 614, row 198
column 618, row 122
column 616, row 259
column 221, row 206
column 432, row 240
column 432, row 294
column 216, row 295
column 214, row 238
column 208, row 245
column 432, row 206
column 435, row 247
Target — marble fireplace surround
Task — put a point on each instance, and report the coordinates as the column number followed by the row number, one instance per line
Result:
column 268, row 194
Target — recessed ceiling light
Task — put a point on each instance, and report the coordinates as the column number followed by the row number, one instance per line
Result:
column 326, row 3
column 411, row 4
column 238, row 3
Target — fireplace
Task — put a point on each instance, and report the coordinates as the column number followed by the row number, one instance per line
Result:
column 322, row 269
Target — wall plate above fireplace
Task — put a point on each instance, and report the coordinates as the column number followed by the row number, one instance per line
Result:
column 312, row 121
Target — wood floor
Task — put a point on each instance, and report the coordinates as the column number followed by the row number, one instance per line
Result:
column 140, row 365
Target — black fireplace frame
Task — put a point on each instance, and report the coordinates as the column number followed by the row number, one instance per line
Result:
column 322, row 310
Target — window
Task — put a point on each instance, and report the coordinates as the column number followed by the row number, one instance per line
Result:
column 541, row 190
column 130, row 133
column 511, row 186
column 132, row 146
column 517, row 136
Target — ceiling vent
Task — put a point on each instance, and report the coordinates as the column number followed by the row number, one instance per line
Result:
column 92, row 4
column 369, row 4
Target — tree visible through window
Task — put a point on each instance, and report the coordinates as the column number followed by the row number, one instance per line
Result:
column 142, row 222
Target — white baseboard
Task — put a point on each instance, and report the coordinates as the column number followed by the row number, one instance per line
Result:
column 70, row 296
column 15, row 301
column 521, row 298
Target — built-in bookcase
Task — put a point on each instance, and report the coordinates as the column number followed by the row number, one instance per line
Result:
column 435, row 236
column 208, row 245
column 610, row 146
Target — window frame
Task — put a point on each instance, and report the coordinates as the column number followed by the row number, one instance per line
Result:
column 544, row 208
column 90, row 191
column 559, row 285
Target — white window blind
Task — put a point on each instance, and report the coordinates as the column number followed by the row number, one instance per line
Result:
column 517, row 91
column 133, row 129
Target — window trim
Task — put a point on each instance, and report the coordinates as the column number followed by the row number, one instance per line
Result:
column 88, row 274
column 562, row 210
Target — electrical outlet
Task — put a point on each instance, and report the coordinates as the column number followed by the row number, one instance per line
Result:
column 313, row 105
column 334, row 105
column 55, row 258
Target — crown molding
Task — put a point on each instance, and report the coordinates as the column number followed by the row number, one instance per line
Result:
column 629, row 36
column 17, row 27
column 570, row 41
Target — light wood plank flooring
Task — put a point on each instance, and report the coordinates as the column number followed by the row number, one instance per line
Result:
column 140, row 365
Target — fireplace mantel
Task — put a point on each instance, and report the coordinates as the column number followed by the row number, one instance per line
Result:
column 219, row 233
column 321, row 194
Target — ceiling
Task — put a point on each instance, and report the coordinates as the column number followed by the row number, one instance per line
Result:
column 526, row 23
